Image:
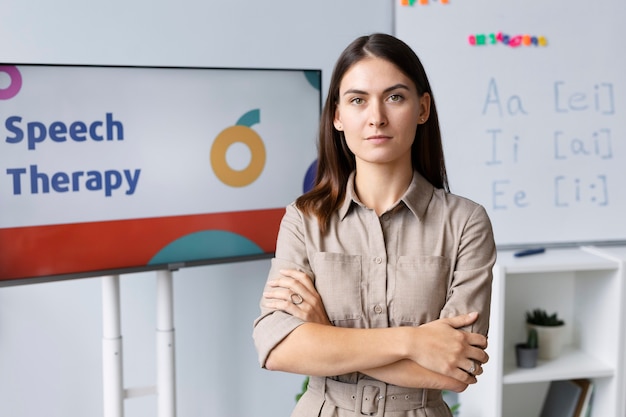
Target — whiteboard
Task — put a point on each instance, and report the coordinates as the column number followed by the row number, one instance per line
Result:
column 533, row 126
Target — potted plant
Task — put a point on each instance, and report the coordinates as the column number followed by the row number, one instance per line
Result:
column 527, row 353
column 305, row 385
column 549, row 330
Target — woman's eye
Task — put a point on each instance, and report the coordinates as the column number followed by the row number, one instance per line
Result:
column 357, row 100
column 395, row 97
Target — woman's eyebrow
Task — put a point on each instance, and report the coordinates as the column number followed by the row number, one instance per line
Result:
column 396, row 87
column 386, row 90
column 355, row 91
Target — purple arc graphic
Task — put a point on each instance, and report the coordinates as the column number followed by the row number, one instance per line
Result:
column 15, row 83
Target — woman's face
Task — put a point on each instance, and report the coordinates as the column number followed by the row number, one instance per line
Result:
column 378, row 111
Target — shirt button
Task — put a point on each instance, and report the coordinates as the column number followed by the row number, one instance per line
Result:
column 385, row 217
column 378, row 309
column 378, row 259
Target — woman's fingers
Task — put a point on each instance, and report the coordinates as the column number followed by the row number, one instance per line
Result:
column 297, row 280
column 473, row 368
column 477, row 339
column 444, row 348
column 294, row 292
column 462, row 320
column 477, row 354
column 290, row 289
column 469, row 372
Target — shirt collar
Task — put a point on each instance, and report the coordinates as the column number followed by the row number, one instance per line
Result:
column 418, row 195
column 416, row 198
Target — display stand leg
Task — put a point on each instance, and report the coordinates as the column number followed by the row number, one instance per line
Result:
column 112, row 377
column 166, row 375
column 112, row 360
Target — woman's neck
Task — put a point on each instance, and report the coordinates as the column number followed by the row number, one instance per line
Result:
column 380, row 186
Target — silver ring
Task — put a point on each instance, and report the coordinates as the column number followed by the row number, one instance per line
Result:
column 296, row 298
column 472, row 369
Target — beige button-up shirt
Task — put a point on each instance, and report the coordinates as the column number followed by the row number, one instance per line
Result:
column 429, row 256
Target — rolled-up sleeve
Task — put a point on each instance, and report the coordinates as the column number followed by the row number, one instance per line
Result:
column 271, row 327
column 470, row 287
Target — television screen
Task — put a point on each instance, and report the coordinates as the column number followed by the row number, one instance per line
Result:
column 107, row 169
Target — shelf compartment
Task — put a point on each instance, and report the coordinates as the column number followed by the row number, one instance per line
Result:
column 571, row 364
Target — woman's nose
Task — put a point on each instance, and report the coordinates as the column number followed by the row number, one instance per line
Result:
column 377, row 116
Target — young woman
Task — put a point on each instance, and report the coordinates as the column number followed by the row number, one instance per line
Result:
column 381, row 282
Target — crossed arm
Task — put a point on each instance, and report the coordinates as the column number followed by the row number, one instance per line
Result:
column 435, row 355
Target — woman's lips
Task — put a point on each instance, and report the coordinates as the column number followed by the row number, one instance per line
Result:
column 378, row 138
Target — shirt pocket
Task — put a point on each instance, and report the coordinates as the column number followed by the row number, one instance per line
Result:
column 420, row 289
column 338, row 281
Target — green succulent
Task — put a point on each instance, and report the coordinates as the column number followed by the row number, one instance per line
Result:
column 539, row 317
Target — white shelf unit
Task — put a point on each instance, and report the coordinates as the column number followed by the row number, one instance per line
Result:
column 586, row 286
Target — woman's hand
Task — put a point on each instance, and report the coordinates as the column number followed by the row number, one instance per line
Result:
column 441, row 347
column 293, row 292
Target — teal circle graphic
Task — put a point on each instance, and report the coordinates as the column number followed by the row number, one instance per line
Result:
column 314, row 78
column 207, row 244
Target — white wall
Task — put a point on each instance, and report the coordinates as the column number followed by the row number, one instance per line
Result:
column 50, row 334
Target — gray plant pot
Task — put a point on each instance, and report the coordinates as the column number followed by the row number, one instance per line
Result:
column 526, row 357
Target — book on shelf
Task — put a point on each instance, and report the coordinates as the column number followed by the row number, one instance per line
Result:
column 568, row 398
column 583, row 409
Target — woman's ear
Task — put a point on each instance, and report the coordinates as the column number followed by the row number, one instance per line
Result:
column 337, row 123
column 424, row 106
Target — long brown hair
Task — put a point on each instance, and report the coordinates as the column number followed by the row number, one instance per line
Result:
column 335, row 161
